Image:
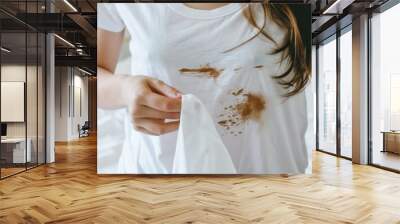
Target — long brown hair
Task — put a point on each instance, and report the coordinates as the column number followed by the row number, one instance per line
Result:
column 298, row 72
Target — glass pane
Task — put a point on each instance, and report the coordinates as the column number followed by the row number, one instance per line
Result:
column 22, row 89
column 31, row 100
column 41, row 99
column 32, row 87
column 386, row 89
column 327, row 96
column 346, row 94
column 13, row 88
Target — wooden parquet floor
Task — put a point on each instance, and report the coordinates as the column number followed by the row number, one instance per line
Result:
column 70, row 191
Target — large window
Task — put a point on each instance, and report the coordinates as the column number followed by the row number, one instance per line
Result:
column 327, row 96
column 334, row 60
column 346, row 93
column 385, row 89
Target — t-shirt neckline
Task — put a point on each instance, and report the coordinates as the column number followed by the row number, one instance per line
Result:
column 187, row 11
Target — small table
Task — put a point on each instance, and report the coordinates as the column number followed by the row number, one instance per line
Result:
column 391, row 141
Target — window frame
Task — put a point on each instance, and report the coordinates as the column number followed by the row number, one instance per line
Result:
column 334, row 37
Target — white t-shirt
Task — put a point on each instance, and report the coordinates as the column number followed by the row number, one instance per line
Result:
column 186, row 48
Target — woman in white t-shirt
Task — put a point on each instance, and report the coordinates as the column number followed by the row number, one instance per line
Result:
column 246, row 62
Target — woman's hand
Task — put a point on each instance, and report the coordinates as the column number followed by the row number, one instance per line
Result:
column 152, row 102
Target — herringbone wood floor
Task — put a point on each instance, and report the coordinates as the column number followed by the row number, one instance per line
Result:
column 70, row 191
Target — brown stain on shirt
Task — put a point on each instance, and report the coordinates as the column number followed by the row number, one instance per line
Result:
column 249, row 107
column 252, row 107
column 259, row 66
column 207, row 70
column 237, row 93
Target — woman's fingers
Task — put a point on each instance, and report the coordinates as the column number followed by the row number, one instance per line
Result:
column 155, row 126
column 161, row 103
column 161, row 88
column 162, row 97
column 143, row 130
column 147, row 112
column 153, row 103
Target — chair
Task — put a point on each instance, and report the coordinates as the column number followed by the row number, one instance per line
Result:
column 84, row 130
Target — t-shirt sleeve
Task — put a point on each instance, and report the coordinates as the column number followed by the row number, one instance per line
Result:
column 108, row 17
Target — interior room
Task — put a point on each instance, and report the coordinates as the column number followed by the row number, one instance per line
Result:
column 49, row 133
column 28, row 55
column 22, row 102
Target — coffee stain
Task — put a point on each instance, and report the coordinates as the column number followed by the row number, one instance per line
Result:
column 248, row 106
column 222, row 123
column 207, row 70
column 237, row 93
column 252, row 107
column 228, row 123
column 259, row 66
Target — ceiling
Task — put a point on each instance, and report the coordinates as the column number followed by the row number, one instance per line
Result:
column 76, row 25
column 330, row 16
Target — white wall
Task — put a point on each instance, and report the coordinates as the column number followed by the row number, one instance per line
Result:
column 12, row 73
column 33, row 126
column 80, row 84
column 12, row 101
column 61, row 103
column 68, row 83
